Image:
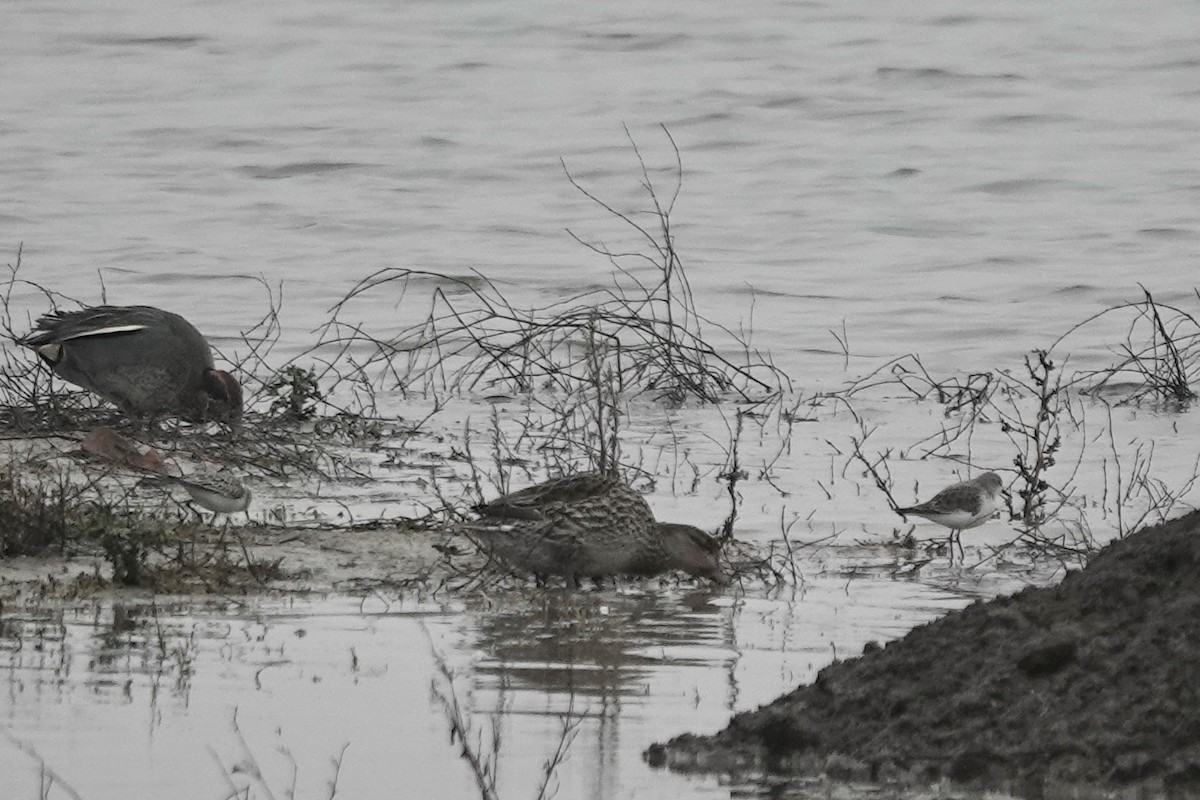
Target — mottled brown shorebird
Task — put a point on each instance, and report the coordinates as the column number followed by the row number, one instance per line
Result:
column 146, row 361
column 590, row 526
column 961, row 506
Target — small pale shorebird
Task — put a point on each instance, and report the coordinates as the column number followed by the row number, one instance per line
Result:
column 220, row 492
column 589, row 526
column 146, row 361
column 961, row 506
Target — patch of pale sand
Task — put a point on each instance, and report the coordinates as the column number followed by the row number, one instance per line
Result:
column 310, row 561
column 26, row 576
column 317, row 560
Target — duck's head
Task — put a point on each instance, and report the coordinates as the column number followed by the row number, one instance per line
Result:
column 693, row 551
column 221, row 397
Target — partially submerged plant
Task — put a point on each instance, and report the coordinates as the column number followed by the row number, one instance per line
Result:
column 66, row 511
column 908, row 372
column 471, row 337
column 1132, row 493
column 1037, row 436
column 565, row 376
column 38, row 517
column 1160, row 360
column 295, row 393
column 127, row 542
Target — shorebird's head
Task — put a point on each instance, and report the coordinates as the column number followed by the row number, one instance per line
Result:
column 693, row 551
column 991, row 482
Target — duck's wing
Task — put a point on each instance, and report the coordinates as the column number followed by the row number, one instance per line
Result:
column 539, row 547
column 552, row 499
column 61, row 326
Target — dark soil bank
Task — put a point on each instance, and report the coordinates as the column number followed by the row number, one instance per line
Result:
column 1092, row 684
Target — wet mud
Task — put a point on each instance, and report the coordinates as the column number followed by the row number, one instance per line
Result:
column 249, row 560
column 1088, row 688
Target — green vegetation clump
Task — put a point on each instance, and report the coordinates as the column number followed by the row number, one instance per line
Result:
column 40, row 518
column 295, row 393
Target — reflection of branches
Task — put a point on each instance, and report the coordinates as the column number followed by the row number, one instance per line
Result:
column 247, row 765
column 483, row 761
column 1071, row 545
column 484, row 758
column 49, row 776
column 569, row 722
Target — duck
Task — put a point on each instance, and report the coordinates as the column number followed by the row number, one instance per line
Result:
column 146, row 361
column 590, row 525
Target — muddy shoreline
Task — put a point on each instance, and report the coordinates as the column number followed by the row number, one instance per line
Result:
column 1089, row 686
column 317, row 560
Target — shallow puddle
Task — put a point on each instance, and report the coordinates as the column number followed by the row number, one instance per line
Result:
column 294, row 697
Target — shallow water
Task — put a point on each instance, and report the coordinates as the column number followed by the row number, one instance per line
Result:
column 178, row 698
column 932, row 177
column 962, row 185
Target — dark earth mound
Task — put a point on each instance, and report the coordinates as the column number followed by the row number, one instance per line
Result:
column 1091, row 683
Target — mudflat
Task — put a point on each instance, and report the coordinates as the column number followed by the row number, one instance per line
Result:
column 1090, row 684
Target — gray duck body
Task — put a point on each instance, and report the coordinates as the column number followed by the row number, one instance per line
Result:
column 146, row 361
column 589, row 525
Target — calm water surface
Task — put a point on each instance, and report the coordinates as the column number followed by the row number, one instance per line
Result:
column 960, row 183
column 183, row 699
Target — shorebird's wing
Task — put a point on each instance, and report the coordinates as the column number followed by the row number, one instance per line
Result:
column 219, row 484
column 964, row 497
